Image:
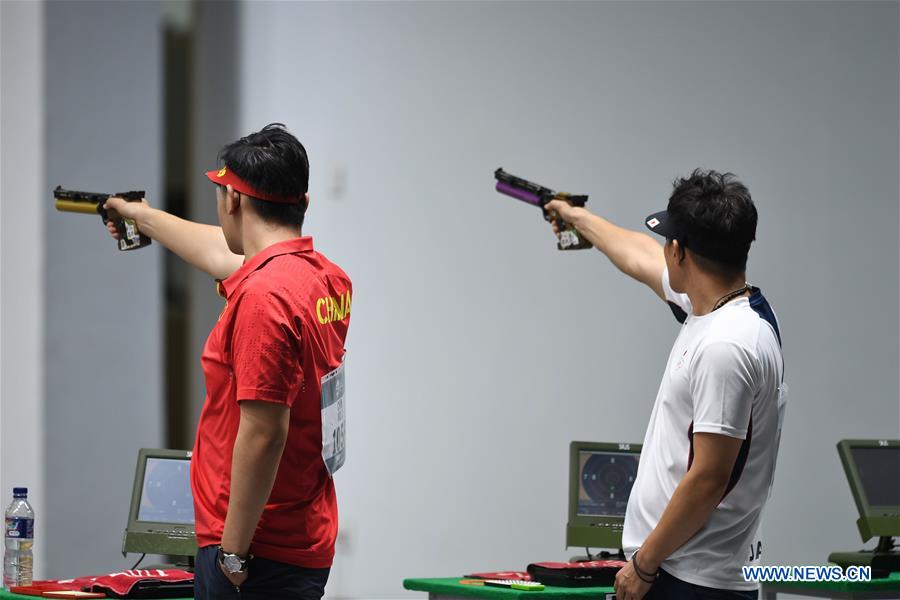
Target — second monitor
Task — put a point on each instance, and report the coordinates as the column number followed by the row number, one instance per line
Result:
column 600, row 479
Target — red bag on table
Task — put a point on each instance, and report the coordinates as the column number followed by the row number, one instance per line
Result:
column 137, row 583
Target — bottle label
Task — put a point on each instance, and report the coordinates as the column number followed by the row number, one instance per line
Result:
column 19, row 527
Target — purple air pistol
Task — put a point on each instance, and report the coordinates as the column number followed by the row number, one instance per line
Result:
column 538, row 195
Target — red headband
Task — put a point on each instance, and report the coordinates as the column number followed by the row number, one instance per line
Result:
column 226, row 177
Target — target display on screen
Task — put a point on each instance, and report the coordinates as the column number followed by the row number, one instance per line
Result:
column 166, row 492
column 605, row 482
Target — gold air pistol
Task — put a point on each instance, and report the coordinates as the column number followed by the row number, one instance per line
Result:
column 92, row 203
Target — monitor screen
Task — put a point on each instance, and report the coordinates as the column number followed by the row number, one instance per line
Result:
column 879, row 474
column 605, row 480
column 166, row 492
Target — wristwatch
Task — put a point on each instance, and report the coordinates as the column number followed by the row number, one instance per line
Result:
column 233, row 563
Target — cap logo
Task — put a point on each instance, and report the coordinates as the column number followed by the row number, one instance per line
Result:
column 652, row 222
column 221, row 172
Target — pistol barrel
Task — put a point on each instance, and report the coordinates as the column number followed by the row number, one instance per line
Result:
column 85, row 207
column 518, row 193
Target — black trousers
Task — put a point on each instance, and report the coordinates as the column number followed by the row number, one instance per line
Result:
column 268, row 580
column 668, row 587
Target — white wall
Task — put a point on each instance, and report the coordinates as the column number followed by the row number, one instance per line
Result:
column 23, row 201
column 477, row 351
column 103, row 307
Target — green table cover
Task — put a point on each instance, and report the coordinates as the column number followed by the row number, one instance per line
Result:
column 450, row 586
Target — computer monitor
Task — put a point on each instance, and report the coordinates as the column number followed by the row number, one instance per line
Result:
column 161, row 517
column 600, row 480
column 873, row 471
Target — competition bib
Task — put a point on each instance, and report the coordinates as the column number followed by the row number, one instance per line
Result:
column 334, row 420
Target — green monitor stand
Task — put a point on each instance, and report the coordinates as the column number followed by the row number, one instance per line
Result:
column 884, row 559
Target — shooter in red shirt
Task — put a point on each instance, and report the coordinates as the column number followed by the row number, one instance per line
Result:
column 271, row 433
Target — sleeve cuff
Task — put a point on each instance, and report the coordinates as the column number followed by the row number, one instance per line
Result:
column 720, row 429
column 264, row 395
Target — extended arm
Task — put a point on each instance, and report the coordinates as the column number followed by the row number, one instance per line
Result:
column 201, row 246
column 636, row 254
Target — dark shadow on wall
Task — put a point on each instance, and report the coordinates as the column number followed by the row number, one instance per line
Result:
column 201, row 66
column 214, row 120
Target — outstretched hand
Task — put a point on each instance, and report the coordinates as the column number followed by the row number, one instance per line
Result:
column 560, row 209
column 129, row 210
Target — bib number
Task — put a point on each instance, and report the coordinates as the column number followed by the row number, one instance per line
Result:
column 334, row 420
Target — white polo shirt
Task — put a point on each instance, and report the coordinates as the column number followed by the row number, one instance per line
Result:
column 724, row 376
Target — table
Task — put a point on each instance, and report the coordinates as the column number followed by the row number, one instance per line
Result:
column 861, row 590
column 447, row 588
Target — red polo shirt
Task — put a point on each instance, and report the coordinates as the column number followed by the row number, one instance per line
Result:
column 283, row 327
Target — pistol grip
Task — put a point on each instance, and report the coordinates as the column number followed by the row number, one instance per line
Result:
column 104, row 214
column 130, row 237
column 120, row 227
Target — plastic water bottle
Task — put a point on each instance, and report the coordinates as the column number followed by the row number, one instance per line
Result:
column 18, row 559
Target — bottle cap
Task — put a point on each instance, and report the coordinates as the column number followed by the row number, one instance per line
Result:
column 20, row 492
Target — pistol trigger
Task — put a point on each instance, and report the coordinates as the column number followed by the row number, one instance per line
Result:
column 102, row 212
column 547, row 215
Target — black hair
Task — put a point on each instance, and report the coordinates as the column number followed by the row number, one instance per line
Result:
column 274, row 162
column 716, row 220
